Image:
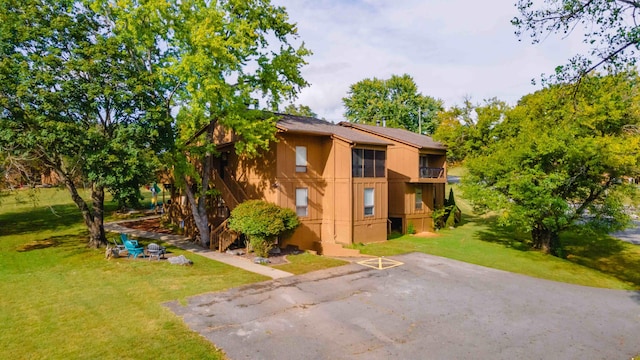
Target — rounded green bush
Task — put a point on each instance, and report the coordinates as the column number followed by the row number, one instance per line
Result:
column 262, row 222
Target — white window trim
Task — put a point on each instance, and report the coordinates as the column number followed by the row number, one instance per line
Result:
column 302, row 202
column 301, row 159
column 373, row 201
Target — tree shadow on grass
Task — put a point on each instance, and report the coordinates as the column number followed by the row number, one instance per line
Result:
column 495, row 233
column 75, row 241
column 591, row 246
column 39, row 219
column 43, row 218
column 599, row 252
column 604, row 253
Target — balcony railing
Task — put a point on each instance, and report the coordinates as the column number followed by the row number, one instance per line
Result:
column 431, row 173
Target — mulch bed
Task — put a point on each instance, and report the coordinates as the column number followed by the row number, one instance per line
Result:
column 151, row 225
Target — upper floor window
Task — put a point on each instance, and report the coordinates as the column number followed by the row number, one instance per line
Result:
column 424, row 161
column 302, row 202
column 368, row 163
column 301, row 159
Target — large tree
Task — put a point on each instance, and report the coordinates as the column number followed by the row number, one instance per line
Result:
column 468, row 129
column 609, row 27
column 395, row 102
column 229, row 55
column 559, row 160
column 91, row 88
column 80, row 98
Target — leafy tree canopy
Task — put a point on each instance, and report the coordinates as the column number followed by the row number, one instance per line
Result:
column 222, row 57
column 79, row 97
column 94, row 89
column 299, row 110
column 558, row 162
column 395, row 102
column 468, row 129
column 609, row 27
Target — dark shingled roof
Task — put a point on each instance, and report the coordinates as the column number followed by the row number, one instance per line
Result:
column 400, row 135
column 307, row 125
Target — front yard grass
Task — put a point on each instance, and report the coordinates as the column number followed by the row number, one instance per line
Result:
column 61, row 300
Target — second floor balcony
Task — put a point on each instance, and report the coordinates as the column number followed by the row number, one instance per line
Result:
column 426, row 172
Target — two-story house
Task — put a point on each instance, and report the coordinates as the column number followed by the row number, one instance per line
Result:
column 311, row 168
column 417, row 174
column 347, row 183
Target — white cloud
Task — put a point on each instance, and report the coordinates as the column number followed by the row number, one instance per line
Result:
column 451, row 48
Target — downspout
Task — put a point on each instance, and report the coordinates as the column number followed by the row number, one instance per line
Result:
column 351, row 202
column 335, row 228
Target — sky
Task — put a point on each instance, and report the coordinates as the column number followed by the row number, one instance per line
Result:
column 451, row 48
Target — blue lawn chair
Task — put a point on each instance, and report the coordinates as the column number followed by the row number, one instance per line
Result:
column 125, row 237
column 132, row 246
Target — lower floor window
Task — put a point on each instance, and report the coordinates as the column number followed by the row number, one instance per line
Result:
column 418, row 198
column 302, row 202
column 368, row 201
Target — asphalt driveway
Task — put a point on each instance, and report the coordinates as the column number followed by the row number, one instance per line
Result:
column 631, row 234
column 428, row 308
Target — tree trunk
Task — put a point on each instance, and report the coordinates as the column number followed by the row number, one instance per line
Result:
column 199, row 213
column 93, row 220
column 545, row 239
column 98, row 236
column 199, row 207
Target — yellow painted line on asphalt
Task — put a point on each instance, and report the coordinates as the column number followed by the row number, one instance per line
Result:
column 380, row 263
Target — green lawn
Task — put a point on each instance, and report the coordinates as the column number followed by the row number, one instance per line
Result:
column 592, row 261
column 62, row 300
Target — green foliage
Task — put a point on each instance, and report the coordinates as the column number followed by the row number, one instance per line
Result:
column 451, row 216
column 300, row 110
column 446, row 216
column 395, row 101
column 557, row 161
column 451, row 200
column 439, row 217
column 411, row 229
column 468, row 129
column 610, row 30
column 262, row 222
column 221, row 57
column 80, row 98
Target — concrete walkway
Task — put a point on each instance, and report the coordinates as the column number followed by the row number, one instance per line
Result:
column 184, row 243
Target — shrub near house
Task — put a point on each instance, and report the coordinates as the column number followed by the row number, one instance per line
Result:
column 262, row 222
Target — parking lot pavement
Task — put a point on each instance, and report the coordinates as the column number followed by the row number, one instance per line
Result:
column 631, row 234
column 428, row 308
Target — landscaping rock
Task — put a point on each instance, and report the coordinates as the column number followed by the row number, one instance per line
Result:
column 261, row 260
column 180, row 260
column 276, row 250
column 236, row 252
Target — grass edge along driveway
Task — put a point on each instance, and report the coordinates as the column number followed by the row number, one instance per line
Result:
column 598, row 262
